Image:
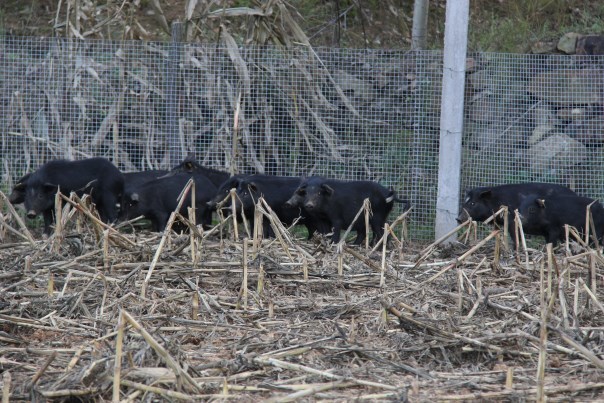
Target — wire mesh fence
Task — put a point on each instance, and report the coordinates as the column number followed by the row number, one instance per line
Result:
column 535, row 118
column 341, row 113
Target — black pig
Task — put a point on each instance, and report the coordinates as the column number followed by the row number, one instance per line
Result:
column 17, row 195
column 481, row 202
column 335, row 203
column 190, row 166
column 547, row 216
column 95, row 176
column 158, row 198
column 223, row 191
column 134, row 179
column 276, row 191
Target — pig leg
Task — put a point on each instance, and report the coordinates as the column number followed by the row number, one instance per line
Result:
column 48, row 220
column 360, row 237
column 512, row 229
column 267, row 230
column 377, row 226
column 159, row 221
column 206, row 217
column 554, row 236
column 337, row 227
column 108, row 210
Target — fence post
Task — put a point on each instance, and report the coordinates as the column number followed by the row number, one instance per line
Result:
column 420, row 25
column 418, row 158
column 451, row 116
column 173, row 88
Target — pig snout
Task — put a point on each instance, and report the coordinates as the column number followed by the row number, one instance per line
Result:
column 31, row 214
column 310, row 206
column 462, row 217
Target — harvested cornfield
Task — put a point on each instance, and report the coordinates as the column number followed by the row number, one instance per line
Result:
column 93, row 313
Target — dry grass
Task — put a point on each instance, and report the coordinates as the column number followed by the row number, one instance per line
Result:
column 96, row 313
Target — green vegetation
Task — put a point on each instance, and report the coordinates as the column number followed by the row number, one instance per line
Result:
column 496, row 26
column 513, row 26
column 2, row 22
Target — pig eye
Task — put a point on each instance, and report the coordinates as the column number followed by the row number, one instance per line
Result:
column 532, row 210
column 302, row 192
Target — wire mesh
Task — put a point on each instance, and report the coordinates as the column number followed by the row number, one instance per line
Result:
column 342, row 113
column 535, row 118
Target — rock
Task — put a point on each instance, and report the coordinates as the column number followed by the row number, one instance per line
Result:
column 502, row 135
column 588, row 131
column 569, row 87
column 480, row 137
column 471, row 65
column 542, row 115
column 557, row 153
column 590, row 45
column 540, row 132
column 351, row 85
column 543, row 120
column 481, row 80
column 543, row 47
column 486, row 108
column 568, row 43
column 571, row 113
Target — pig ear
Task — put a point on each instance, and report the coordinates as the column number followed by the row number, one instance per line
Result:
column 235, row 183
column 20, row 186
column 328, row 189
column 252, row 186
column 189, row 166
column 541, row 203
column 134, row 197
column 485, row 194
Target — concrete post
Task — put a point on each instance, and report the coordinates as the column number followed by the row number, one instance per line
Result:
column 451, row 116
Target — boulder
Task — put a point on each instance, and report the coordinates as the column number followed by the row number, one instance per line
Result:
column 556, row 154
column 542, row 115
column 486, row 108
column 481, row 80
column 503, row 135
column 543, row 47
column 568, row 43
column 571, row 113
column 588, row 131
column 569, row 87
column 540, row 132
column 353, row 86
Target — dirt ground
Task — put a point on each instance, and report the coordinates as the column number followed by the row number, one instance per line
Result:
column 91, row 314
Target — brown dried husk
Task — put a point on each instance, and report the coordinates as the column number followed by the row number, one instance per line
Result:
column 100, row 313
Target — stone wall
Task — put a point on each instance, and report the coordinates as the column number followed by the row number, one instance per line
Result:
column 537, row 117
